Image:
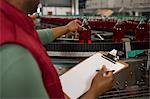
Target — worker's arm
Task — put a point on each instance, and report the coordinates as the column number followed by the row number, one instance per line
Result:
column 70, row 27
column 48, row 35
column 20, row 74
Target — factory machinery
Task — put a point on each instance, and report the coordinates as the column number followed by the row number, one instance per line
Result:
column 128, row 35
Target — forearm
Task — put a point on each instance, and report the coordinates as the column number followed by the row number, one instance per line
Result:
column 89, row 95
column 58, row 31
column 92, row 94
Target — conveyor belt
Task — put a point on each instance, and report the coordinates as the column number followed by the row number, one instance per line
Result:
column 101, row 46
column 76, row 47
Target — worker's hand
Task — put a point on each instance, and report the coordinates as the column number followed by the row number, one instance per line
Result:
column 100, row 84
column 74, row 25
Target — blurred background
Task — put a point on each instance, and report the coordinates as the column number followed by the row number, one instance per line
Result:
column 95, row 7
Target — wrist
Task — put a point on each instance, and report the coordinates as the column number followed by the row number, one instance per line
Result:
column 89, row 95
column 67, row 28
column 94, row 92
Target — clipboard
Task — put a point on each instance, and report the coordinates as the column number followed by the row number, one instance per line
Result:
column 77, row 80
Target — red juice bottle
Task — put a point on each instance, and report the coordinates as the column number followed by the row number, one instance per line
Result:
column 141, row 31
column 118, row 31
column 85, row 34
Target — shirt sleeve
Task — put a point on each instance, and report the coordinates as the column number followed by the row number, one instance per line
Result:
column 20, row 74
column 46, row 35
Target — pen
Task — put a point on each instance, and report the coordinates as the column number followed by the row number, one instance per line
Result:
column 106, row 72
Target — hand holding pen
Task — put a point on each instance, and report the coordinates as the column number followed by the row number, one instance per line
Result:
column 102, row 82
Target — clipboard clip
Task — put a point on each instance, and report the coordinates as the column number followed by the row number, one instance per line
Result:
column 111, row 56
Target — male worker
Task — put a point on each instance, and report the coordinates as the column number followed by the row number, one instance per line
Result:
column 26, row 70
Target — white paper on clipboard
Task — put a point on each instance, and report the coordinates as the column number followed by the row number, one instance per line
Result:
column 77, row 81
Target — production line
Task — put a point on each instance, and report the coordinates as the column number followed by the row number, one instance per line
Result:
column 132, row 46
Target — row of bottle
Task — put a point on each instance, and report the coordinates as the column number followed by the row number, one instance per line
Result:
column 94, row 22
column 137, row 27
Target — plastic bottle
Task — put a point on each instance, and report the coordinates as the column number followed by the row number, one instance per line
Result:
column 141, row 31
column 85, row 34
column 118, row 31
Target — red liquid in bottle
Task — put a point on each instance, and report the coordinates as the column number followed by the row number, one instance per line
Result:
column 141, row 31
column 85, row 34
column 118, row 32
